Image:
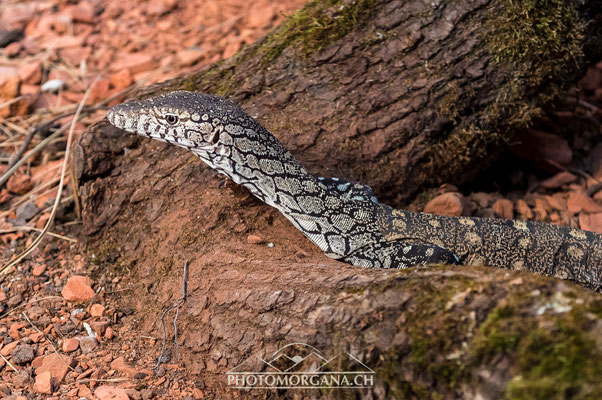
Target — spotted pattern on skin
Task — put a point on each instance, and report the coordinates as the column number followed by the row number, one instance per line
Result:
column 344, row 218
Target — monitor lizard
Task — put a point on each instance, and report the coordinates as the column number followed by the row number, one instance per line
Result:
column 344, row 218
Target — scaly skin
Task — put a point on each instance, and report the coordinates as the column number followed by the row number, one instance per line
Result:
column 344, row 218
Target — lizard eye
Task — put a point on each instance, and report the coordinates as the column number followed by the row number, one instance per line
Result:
column 171, row 119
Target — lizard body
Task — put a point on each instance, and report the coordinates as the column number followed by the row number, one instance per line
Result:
column 344, row 218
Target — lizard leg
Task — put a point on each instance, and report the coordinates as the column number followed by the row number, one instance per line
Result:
column 400, row 254
column 349, row 190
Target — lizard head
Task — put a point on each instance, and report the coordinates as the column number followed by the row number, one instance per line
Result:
column 186, row 119
column 217, row 130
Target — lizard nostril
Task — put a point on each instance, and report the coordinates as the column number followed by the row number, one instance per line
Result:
column 215, row 138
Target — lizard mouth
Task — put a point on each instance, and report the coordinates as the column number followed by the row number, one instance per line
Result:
column 122, row 116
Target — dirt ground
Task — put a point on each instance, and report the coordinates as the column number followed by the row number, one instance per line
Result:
column 67, row 300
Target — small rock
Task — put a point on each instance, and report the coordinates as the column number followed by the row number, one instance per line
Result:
column 53, row 85
column 57, row 364
column 451, row 204
column 579, row 201
column 109, row 333
column 22, row 354
column 35, row 312
column 120, row 365
column 482, row 199
column 135, row 62
column 87, row 344
column 558, row 180
column 100, row 326
column 27, row 211
column 159, row 7
column 70, row 345
column 96, row 376
column 96, row 310
column 523, row 209
column 43, row 383
column 190, row 56
column 106, row 392
column 19, row 184
column 121, row 79
column 38, row 270
column 13, row 49
column 19, row 15
column 133, row 394
column 100, row 90
column 261, row 17
column 84, row 391
column 21, row 379
column 75, row 55
column 82, row 12
column 503, row 208
column 254, row 239
column 15, row 300
column 31, row 73
column 147, row 394
column 9, row 89
column 591, row 222
column 8, row 348
column 78, row 289
column 556, row 202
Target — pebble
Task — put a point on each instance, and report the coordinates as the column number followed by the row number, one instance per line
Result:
column 22, row 354
column 43, row 383
column 38, row 270
column 87, row 344
column 57, row 365
column 591, row 222
column 53, row 85
column 19, row 184
column 27, row 211
column 451, row 204
column 70, row 345
column 579, row 201
column 503, row 208
column 120, row 365
column 254, row 239
column 106, row 392
column 558, row 180
column 100, row 326
column 523, row 209
column 121, row 79
column 8, row 348
column 78, row 289
column 35, row 312
column 96, row 310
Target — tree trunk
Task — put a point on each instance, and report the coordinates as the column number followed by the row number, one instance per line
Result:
column 404, row 95
column 400, row 95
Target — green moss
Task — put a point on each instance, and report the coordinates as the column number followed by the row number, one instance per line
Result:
column 500, row 333
column 552, row 356
column 534, row 31
column 436, row 333
column 558, row 363
column 537, row 40
column 537, row 45
column 315, row 26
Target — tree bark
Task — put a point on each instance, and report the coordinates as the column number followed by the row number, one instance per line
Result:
column 400, row 95
column 404, row 95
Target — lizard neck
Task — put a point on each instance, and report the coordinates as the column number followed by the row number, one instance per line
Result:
column 267, row 169
column 256, row 160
